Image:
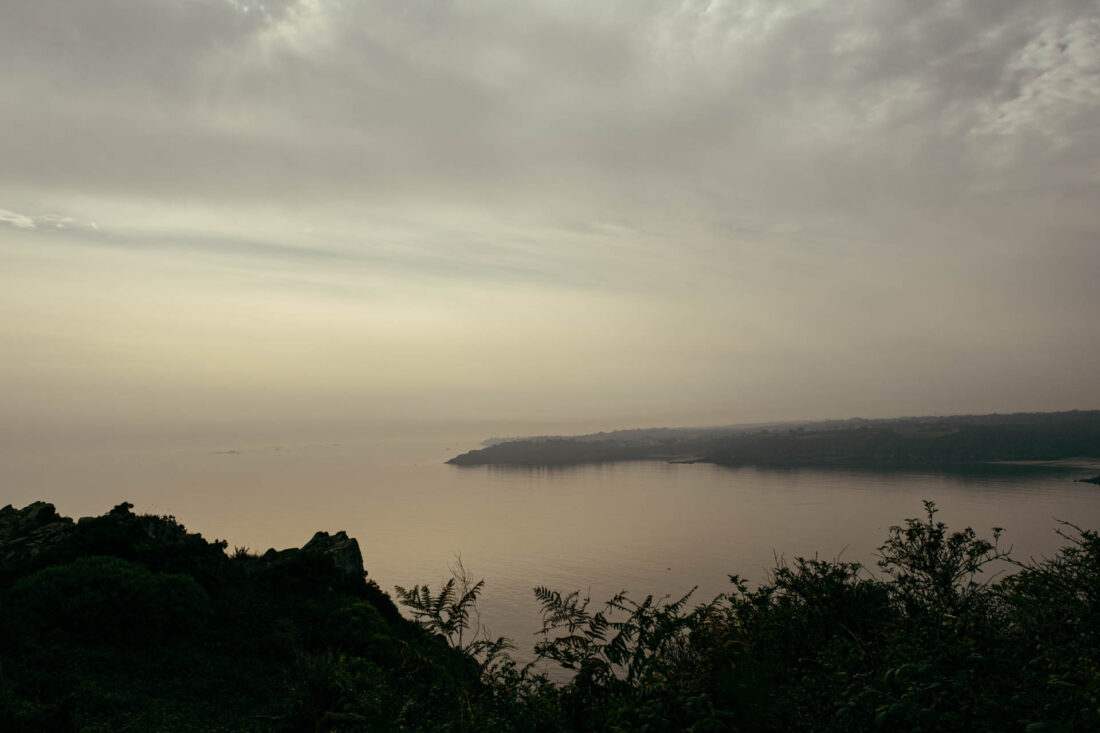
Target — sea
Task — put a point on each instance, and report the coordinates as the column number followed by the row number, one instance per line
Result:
column 647, row 527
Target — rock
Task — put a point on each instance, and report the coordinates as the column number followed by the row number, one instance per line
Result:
column 26, row 532
column 18, row 522
column 341, row 549
column 38, row 533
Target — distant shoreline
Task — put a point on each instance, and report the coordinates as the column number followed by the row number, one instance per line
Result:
column 1066, row 440
column 1083, row 462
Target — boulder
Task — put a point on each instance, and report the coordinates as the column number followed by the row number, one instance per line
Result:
column 18, row 522
column 25, row 533
column 341, row 549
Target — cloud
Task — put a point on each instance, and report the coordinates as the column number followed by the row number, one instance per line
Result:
column 16, row 220
column 689, row 120
column 766, row 183
column 540, row 105
column 730, row 117
column 43, row 221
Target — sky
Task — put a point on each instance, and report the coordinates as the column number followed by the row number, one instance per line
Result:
column 309, row 213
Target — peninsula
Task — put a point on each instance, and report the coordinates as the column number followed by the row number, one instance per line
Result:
column 1032, row 437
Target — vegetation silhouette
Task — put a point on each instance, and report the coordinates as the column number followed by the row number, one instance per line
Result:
column 128, row 622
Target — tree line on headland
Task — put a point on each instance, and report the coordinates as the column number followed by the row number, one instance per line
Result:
column 128, row 622
column 951, row 439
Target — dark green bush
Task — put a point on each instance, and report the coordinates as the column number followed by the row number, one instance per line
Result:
column 107, row 599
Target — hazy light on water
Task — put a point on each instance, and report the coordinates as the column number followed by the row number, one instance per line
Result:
column 646, row 527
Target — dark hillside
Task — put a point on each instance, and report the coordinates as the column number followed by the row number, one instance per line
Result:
column 128, row 622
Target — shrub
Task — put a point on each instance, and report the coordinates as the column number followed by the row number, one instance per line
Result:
column 108, row 599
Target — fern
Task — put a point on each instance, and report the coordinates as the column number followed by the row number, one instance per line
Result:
column 452, row 613
column 623, row 644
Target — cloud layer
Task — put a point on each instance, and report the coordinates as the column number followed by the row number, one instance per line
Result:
column 727, row 210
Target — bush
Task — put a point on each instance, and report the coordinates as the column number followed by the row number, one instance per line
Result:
column 107, row 599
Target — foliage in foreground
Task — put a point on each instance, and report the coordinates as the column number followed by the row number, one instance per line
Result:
column 174, row 634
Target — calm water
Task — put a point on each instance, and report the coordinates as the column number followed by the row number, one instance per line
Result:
column 647, row 527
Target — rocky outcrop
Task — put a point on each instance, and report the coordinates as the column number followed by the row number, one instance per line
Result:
column 36, row 536
column 28, row 532
column 19, row 522
column 341, row 549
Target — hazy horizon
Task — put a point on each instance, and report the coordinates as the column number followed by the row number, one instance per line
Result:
column 233, row 218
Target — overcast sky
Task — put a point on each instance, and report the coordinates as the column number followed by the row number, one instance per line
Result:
column 593, row 213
